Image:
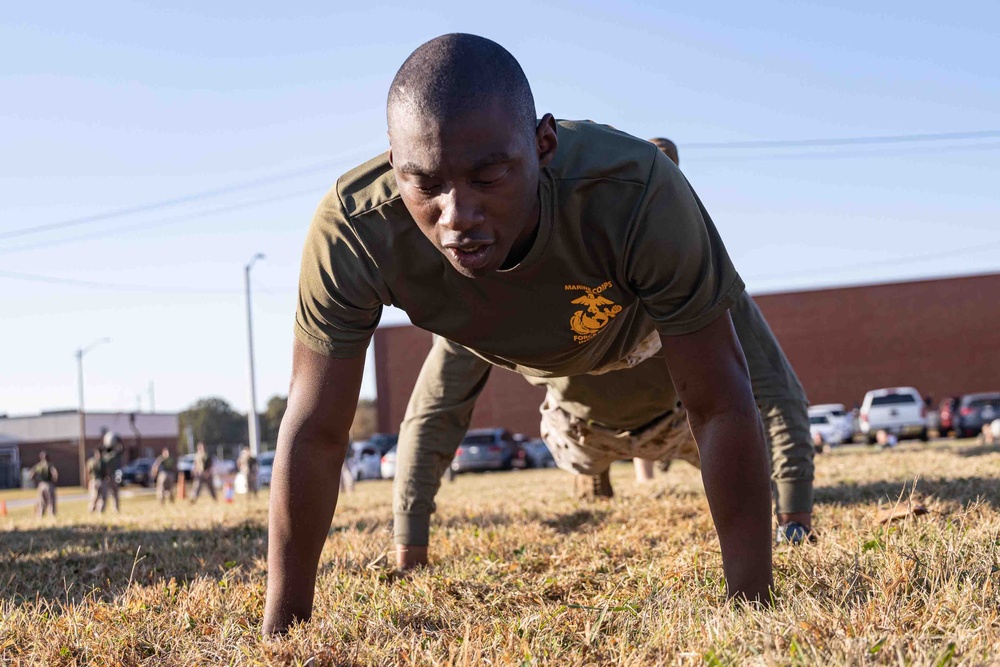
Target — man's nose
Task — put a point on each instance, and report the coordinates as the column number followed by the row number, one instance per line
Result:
column 459, row 210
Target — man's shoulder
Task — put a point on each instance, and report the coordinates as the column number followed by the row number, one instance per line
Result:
column 366, row 187
column 590, row 151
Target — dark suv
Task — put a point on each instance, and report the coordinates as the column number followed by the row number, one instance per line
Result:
column 137, row 472
column 485, row 449
column 974, row 410
column 383, row 442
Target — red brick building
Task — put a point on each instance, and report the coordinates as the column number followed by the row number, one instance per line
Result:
column 941, row 336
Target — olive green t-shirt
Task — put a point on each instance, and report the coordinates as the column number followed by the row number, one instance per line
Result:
column 624, row 248
column 95, row 467
column 42, row 472
column 202, row 462
column 166, row 464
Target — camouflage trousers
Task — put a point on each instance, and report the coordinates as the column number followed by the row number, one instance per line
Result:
column 111, row 490
column 165, row 486
column 203, row 480
column 98, row 494
column 46, row 498
column 587, row 448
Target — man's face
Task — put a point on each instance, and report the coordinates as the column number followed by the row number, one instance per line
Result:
column 471, row 185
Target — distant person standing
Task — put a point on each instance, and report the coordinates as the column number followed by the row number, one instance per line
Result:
column 202, row 473
column 247, row 465
column 45, row 476
column 164, row 470
column 95, row 484
column 112, row 457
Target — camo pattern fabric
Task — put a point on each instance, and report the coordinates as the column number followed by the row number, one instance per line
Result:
column 587, row 448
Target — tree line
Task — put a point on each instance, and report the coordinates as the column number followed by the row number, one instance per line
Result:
column 213, row 421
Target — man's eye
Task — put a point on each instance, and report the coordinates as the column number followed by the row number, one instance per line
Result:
column 426, row 189
column 490, row 178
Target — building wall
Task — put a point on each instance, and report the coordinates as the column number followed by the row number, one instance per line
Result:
column 941, row 336
column 507, row 399
column 58, row 425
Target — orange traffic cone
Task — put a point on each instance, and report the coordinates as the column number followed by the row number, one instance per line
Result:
column 181, row 479
column 3, row 508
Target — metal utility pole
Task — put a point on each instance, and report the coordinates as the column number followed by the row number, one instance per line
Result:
column 152, row 401
column 252, row 420
column 82, row 447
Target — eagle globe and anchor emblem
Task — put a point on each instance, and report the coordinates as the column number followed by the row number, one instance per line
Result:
column 598, row 311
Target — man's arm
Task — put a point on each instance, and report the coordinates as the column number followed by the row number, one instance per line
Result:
column 437, row 418
column 710, row 374
column 784, row 410
column 312, row 443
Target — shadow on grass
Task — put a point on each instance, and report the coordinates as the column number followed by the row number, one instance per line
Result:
column 577, row 521
column 963, row 490
column 70, row 563
column 978, row 450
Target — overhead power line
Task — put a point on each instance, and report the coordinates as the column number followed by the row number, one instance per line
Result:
column 161, row 221
column 844, row 141
column 327, row 164
column 703, row 158
column 117, row 287
column 161, row 289
column 184, row 199
column 909, row 259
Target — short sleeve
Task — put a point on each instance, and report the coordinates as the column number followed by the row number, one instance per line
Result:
column 339, row 302
column 675, row 261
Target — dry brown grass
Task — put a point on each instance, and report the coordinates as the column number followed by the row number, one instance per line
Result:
column 524, row 574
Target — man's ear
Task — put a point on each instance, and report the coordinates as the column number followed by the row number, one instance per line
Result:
column 390, row 155
column 546, row 140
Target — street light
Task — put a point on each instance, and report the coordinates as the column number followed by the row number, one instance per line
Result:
column 80, row 351
column 253, row 423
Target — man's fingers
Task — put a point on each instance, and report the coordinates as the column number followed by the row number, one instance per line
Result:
column 409, row 557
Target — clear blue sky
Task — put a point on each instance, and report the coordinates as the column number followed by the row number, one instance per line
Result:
column 115, row 105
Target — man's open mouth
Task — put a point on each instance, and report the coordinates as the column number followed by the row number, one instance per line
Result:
column 471, row 256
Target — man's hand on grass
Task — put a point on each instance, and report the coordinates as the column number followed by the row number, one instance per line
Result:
column 409, row 557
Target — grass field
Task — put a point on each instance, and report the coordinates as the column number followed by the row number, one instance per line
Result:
column 525, row 574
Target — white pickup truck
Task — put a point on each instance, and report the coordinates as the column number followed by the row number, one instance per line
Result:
column 896, row 410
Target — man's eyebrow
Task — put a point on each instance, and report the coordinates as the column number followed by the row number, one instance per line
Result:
column 491, row 159
column 413, row 169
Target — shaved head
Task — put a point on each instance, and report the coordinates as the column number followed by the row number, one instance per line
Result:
column 668, row 148
column 454, row 75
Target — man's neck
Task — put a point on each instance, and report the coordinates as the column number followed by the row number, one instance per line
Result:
column 522, row 246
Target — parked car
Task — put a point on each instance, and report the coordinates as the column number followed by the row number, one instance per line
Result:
column 947, row 410
column 838, row 427
column 388, row 464
column 137, row 472
column 264, row 464
column 899, row 411
column 224, row 467
column 538, row 454
column 485, row 449
column 974, row 410
column 821, row 423
column 364, row 462
column 185, row 466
